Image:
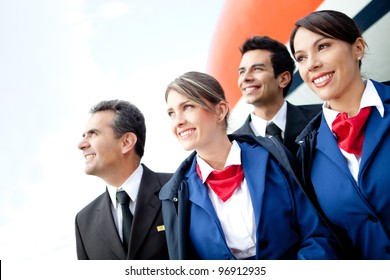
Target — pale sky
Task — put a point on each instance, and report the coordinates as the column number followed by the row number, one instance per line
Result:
column 57, row 59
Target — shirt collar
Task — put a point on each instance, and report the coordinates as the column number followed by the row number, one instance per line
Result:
column 130, row 186
column 259, row 125
column 370, row 97
column 234, row 158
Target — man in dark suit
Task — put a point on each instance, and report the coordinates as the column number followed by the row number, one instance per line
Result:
column 113, row 145
column 265, row 76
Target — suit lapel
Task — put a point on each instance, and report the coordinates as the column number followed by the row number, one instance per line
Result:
column 148, row 206
column 255, row 176
column 376, row 128
column 295, row 123
column 107, row 229
column 245, row 128
column 198, row 194
column 327, row 144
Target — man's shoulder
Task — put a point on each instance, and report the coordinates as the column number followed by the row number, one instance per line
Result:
column 93, row 205
column 245, row 127
column 307, row 109
column 162, row 177
column 241, row 129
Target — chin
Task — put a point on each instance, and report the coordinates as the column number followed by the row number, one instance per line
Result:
column 323, row 95
column 249, row 99
column 89, row 171
column 186, row 147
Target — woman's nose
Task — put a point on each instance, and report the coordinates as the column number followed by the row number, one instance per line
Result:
column 313, row 63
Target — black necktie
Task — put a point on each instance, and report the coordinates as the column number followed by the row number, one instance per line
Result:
column 124, row 200
column 274, row 131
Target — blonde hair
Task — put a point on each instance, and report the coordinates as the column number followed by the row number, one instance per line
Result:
column 200, row 88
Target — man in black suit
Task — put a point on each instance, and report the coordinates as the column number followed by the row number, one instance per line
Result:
column 265, row 76
column 113, row 145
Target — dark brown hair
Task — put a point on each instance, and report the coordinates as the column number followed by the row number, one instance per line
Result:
column 329, row 23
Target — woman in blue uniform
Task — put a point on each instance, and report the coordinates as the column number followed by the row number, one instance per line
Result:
column 231, row 198
column 345, row 150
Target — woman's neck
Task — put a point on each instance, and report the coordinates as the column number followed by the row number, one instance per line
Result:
column 349, row 102
column 217, row 152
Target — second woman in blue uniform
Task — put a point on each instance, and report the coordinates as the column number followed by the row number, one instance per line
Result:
column 231, row 199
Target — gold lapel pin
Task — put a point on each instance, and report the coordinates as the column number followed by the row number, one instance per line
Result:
column 161, row 228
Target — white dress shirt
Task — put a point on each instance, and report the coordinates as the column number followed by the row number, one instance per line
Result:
column 370, row 98
column 235, row 214
column 259, row 125
column 131, row 187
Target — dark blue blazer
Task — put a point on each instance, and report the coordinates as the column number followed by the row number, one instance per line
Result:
column 287, row 226
column 298, row 116
column 362, row 210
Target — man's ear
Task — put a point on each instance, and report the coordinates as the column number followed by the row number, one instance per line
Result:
column 284, row 78
column 129, row 140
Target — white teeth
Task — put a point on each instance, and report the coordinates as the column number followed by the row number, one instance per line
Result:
column 87, row 157
column 185, row 133
column 323, row 78
column 249, row 89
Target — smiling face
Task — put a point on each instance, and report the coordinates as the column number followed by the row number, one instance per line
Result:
column 194, row 127
column 101, row 149
column 330, row 67
column 257, row 80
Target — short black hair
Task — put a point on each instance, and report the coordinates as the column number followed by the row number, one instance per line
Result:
column 128, row 118
column 280, row 57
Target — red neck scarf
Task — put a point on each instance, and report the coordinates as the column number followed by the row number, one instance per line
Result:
column 350, row 131
column 224, row 182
